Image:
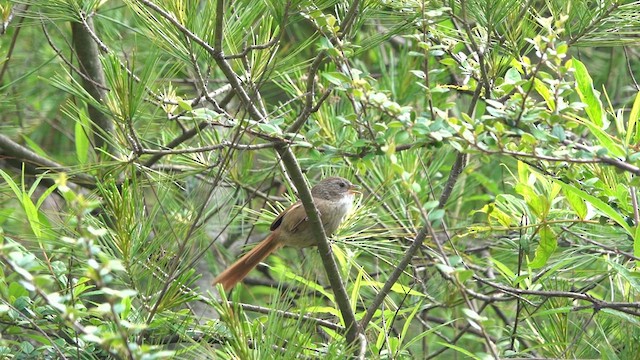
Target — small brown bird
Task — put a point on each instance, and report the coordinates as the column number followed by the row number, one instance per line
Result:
column 333, row 198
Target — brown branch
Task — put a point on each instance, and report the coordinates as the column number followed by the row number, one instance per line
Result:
column 311, row 86
column 605, row 159
column 354, row 331
column 456, row 170
column 596, row 304
column 93, row 80
column 40, row 164
column 250, row 48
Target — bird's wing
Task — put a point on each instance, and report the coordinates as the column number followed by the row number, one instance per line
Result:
column 292, row 219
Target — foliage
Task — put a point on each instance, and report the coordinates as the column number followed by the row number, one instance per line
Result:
column 495, row 141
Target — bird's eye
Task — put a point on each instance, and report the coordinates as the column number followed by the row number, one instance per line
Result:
column 342, row 184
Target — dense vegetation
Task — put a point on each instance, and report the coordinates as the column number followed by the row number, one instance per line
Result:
column 144, row 143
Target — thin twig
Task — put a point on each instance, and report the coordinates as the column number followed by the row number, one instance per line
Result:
column 14, row 38
column 224, row 144
column 288, row 315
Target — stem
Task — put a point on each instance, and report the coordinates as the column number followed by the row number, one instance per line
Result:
column 354, row 331
column 93, row 79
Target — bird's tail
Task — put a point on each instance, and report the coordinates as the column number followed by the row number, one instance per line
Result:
column 236, row 272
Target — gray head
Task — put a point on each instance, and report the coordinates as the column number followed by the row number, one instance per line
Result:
column 333, row 188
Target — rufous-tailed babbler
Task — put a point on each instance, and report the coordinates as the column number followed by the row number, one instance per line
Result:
column 333, row 198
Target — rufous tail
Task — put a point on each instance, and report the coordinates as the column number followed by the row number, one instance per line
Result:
column 236, row 272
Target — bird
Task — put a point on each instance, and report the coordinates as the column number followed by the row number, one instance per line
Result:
column 333, row 197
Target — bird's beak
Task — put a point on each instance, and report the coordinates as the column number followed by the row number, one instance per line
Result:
column 354, row 189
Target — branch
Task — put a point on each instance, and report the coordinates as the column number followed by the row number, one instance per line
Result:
column 93, row 80
column 605, row 159
column 596, row 304
column 14, row 38
column 22, row 154
column 221, row 145
column 456, row 170
column 354, row 331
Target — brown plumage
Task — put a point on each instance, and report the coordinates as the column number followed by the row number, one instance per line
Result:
column 239, row 270
column 333, row 198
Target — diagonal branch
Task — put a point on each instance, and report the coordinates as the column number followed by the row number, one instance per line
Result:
column 12, row 149
column 395, row 275
column 354, row 331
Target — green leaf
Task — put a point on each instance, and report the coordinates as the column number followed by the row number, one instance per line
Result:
column 436, row 215
column 464, row 274
column 12, row 184
column 409, row 319
column 503, row 269
column 558, row 132
column 625, row 317
column 538, row 203
column 543, row 90
column 587, row 93
column 631, row 277
column 336, row 78
column 633, row 122
column 355, row 291
column 608, row 142
column 323, row 310
column 81, row 138
column 431, row 204
column 270, row 128
column 577, row 204
column 460, row 350
column 184, row 105
column 34, row 146
column 396, row 288
column 28, row 206
column 546, row 247
column 599, row 205
column 636, row 244
column 512, row 76
column 289, row 274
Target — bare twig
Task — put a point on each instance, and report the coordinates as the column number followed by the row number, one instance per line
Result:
column 596, row 304
column 222, row 145
column 14, row 38
column 289, row 315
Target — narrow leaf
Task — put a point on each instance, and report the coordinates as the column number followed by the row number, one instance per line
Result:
column 605, row 140
column 81, row 138
column 587, row 93
column 630, row 276
column 636, row 244
column 577, row 204
column 633, row 122
column 546, row 247
column 543, row 90
column 599, row 205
